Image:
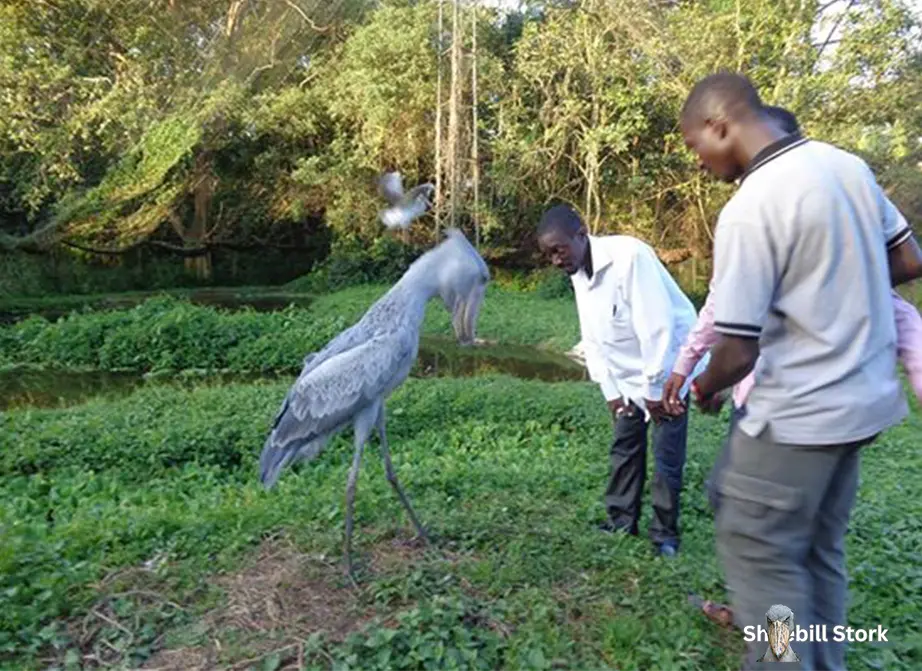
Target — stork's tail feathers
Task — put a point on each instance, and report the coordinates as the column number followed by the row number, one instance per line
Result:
column 275, row 457
column 272, row 461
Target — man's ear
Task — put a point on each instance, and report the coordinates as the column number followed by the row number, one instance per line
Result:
column 718, row 125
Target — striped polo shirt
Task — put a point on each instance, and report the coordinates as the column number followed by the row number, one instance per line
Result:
column 800, row 260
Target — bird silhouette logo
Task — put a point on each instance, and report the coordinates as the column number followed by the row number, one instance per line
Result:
column 780, row 620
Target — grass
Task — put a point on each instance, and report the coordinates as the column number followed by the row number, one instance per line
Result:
column 135, row 530
column 136, row 535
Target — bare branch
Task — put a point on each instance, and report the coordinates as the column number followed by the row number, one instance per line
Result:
column 307, row 19
column 835, row 27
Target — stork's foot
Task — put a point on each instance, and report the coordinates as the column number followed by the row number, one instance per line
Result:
column 350, row 576
column 421, row 539
column 350, row 573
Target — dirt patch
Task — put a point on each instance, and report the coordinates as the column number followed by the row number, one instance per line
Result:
column 393, row 551
column 290, row 592
column 272, row 608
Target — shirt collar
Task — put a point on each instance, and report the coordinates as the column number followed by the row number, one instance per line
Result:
column 773, row 151
column 600, row 261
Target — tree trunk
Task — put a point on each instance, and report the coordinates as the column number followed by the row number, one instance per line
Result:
column 438, row 129
column 195, row 235
column 474, row 148
column 454, row 126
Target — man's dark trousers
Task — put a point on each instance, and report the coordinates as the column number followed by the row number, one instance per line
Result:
column 628, row 474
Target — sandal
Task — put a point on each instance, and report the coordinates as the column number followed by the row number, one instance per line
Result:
column 717, row 613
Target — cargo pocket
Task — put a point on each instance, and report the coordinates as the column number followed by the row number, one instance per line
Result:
column 759, row 509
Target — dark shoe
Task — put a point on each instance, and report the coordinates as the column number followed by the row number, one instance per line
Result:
column 667, row 549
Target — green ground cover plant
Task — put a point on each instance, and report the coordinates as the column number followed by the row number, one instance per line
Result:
column 137, row 534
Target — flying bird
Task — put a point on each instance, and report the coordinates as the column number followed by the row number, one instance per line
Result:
column 348, row 381
column 404, row 207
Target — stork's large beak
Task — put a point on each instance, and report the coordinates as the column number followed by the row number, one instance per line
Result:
column 779, row 637
column 465, row 314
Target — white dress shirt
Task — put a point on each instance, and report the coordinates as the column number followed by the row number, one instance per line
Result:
column 633, row 320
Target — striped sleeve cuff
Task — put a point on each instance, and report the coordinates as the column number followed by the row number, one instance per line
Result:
column 899, row 238
column 738, row 330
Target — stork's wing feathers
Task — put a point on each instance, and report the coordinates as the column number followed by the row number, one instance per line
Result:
column 343, row 342
column 390, row 186
column 327, row 396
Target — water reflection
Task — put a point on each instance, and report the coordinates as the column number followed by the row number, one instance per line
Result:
column 441, row 357
column 437, row 358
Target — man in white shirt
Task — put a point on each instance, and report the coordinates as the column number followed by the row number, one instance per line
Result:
column 633, row 319
column 805, row 254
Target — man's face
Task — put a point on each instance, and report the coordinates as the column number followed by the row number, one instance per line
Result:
column 563, row 251
column 712, row 144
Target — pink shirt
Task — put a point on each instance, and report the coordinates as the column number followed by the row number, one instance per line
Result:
column 703, row 337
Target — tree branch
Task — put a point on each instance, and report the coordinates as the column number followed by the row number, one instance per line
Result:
column 307, row 19
column 835, row 27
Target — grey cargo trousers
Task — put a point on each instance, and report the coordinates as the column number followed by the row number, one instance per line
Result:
column 781, row 527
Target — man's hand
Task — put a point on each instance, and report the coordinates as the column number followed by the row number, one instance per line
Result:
column 712, row 404
column 671, row 392
column 620, row 409
column 658, row 411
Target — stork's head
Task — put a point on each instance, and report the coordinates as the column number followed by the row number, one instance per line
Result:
column 461, row 282
column 780, row 625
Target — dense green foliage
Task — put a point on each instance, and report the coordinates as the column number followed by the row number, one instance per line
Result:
column 225, row 124
column 507, row 473
column 167, row 333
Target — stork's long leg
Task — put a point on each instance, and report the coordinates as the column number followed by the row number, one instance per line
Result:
column 392, row 476
column 362, row 430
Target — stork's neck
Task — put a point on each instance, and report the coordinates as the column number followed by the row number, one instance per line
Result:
column 418, row 286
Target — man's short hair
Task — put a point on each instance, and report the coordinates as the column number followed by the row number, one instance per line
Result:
column 722, row 94
column 561, row 218
column 785, row 117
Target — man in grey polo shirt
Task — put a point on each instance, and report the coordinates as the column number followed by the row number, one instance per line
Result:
column 802, row 254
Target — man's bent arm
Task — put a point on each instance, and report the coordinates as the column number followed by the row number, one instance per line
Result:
column 745, row 277
column 905, row 261
column 701, row 338
column 732, row 359
column 909, row 342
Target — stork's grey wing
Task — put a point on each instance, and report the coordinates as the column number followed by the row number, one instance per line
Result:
column 326, row 398
column 351, row 337
column 390, row 186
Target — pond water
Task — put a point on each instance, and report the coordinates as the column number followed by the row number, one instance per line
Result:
column 437, row 358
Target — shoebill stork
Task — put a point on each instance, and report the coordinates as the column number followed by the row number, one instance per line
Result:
column 348, row 381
